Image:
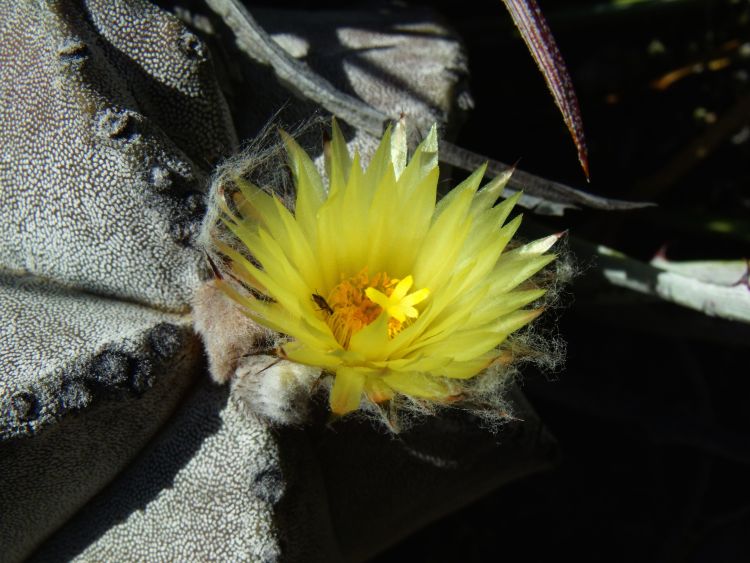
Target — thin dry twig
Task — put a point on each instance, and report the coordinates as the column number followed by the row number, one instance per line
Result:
column 541, row 195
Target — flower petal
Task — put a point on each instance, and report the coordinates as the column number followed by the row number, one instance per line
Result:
column 420, row 385
column 311, row 356
column 397, row 220
column 399, row 148
column 347, row 390
column 469, row 344
column 443, row 243
column 503, row 304
column 423, row 161
column 380, row 163
column 470, row 184
column 512, row 270
column 337, row 160
column 486, row 255
column 490, row 193
column 310, row 191
column 371, row 340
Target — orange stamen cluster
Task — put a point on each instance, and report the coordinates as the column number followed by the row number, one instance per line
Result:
column 353, row 310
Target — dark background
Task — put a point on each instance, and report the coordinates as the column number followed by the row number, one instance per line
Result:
column 651, row 409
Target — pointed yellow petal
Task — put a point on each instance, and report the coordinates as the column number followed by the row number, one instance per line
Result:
column 420, row 385
column 238, row 266
column 502, row 305
column 385, row 206
column 398, row 220
column 467, row 345
column 298, row 248
column 282, row 227
column 276, row 265
column 347, row 390
column 310, row 190
column 506, row 207
column 304, row 354
column 337, row 160
column 371, row 340
column 399, row 147
column 422, row 162
column 441, row 300
column 379, row 164
column 277, row 318
column 352, row 220
column 538, row 246
column 255, row 205
column 443, row 242
column 468, row 368
column 471, row 184
column 490, row 193
column 411, row 222
column 453, row 316
column 485, row 251
column 328, row 241
column 487, row 231
column 511, row 271
column 279, row 291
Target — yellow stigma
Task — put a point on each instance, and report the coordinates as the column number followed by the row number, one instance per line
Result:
column 397, row 304
column 357, row 301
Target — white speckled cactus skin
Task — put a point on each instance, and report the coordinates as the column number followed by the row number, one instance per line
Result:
column 104, row 147
column 113, row 444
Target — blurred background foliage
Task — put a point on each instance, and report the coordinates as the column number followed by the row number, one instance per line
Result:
column 664, row 89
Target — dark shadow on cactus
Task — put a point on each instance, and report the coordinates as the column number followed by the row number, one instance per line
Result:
column 438, row 465
column 197, row 418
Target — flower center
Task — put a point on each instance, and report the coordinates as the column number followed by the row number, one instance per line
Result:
column 357, row 301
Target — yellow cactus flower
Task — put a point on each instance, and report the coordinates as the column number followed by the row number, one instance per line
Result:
column 374, row 282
